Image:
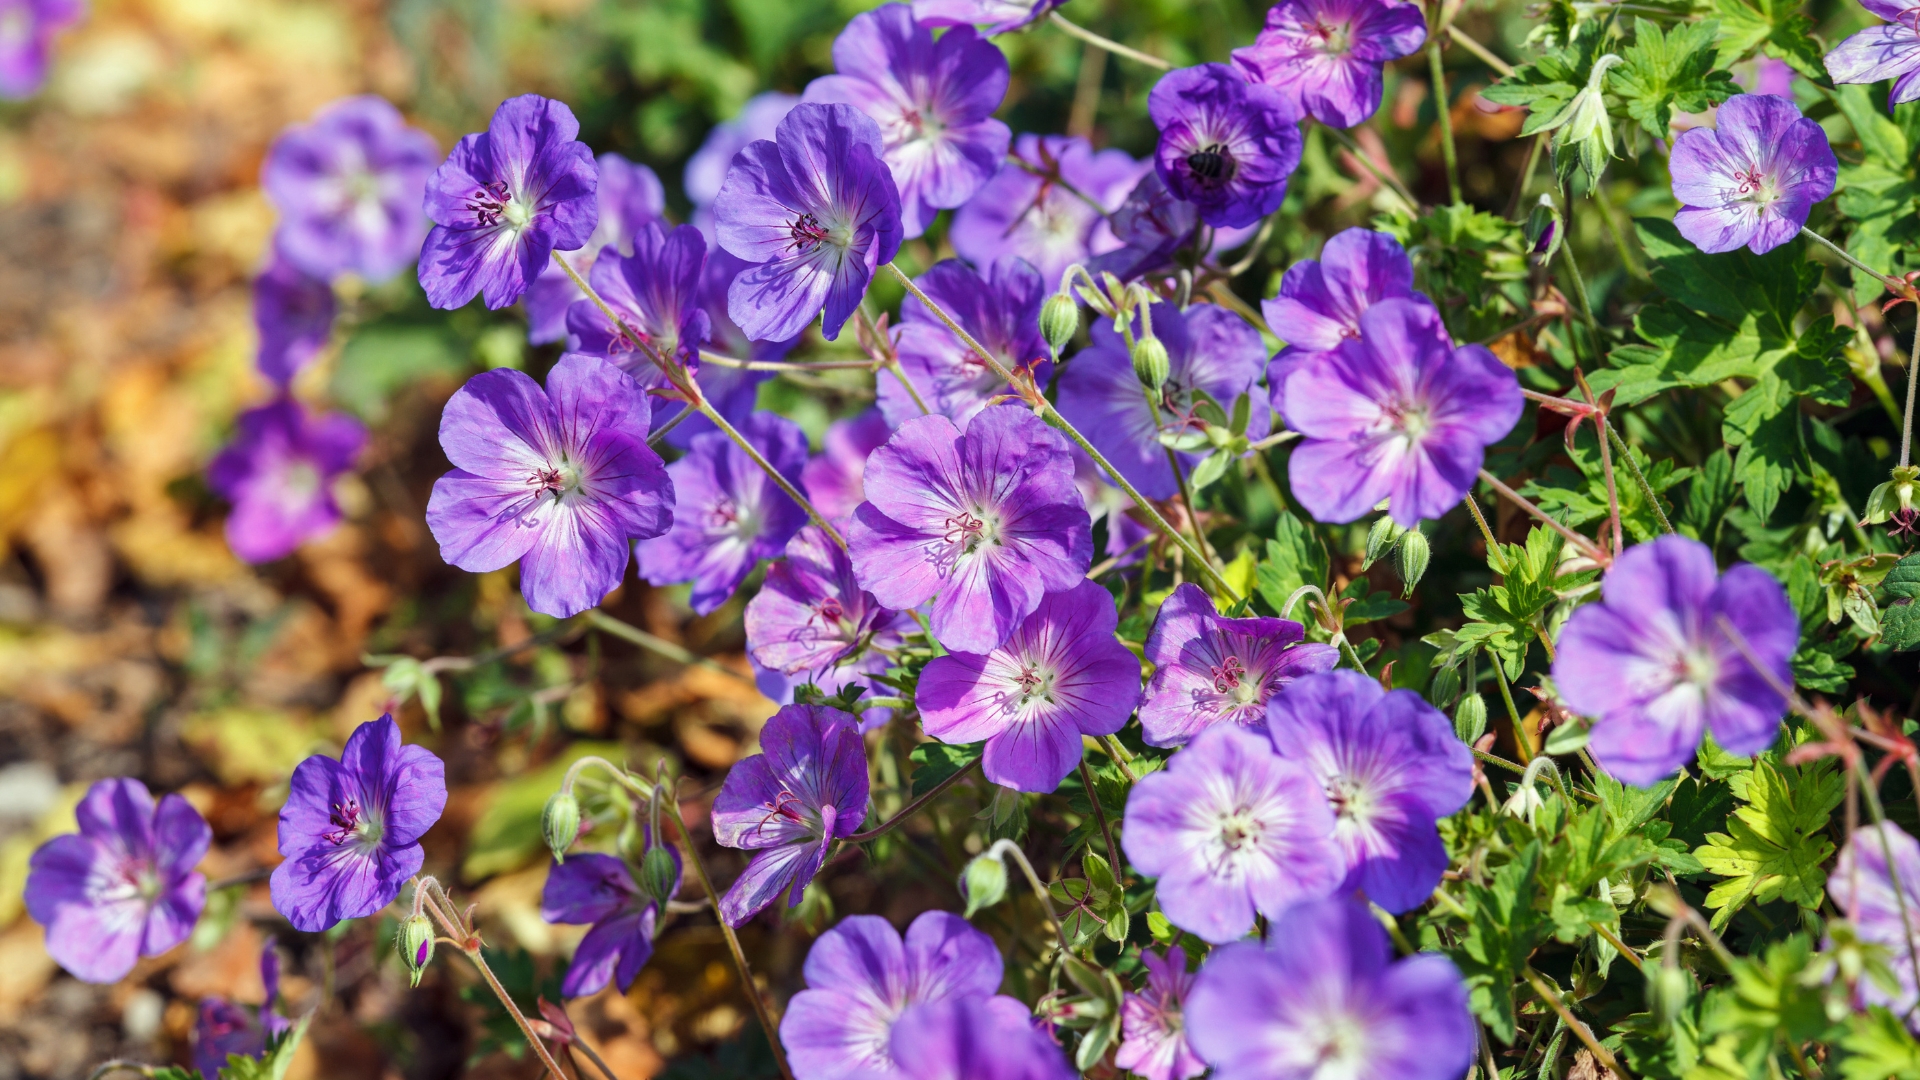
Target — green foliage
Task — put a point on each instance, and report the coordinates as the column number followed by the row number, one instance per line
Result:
column 1754, row 1027
column 934, row 762
column 1879, row 1047
column 1900, row 621
column 1295, row 558
column 1775, row 847
column 1504, row 618
column 1670, row 71
column 1880, row 193
column 1502, row 929
column 1579, row 498
column 274, row 1062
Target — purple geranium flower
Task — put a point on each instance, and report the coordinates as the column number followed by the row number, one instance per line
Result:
column 1752, row 182
column 1061, row 674
column 835, row 480
column 807, row 788
column 810, row 614
column 973, row 1038
column 278, row 473
column 656, row 293
column 351, row 828
column 27, row 28
column 757, row 120
column 1211, row 670
column 816, row 210
column 1651, row 664
column 859, row 670
column 124, row 886
column 1397, row 412
column 630, row 198
column 1037, row 206
column 1153, row 1024
column 293, row 314
column 1873, row 893
column 1153, row 226
column 997, row 16
column 983, row 524
column 599, row 889
column 1391, row 767
column 1325, row 998
column 1325, row 56
column 861, row 976
column 225, row 1030
column 348, row 187
column 1231, row 828
column 1226, row 145
column 1210, row 349
column 504, row 201
column 728, row 513
column 1888, row 51
column 933, row 100
column 1000, row 309
column 1320, row 302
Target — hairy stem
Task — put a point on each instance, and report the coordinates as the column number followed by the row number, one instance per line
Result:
column 1913, row 377
column 1386, row 177
column 470, row 946
column 1100, row 815
column 1111, row 46
column 1585, row 1034
column 915, row 806
column 1003, row 848
column 1442, row 107
column 651, row 643
column 707, row 409
column 1639, row 478
column 1586, row 546
column 1486, row 55
column 629, row 781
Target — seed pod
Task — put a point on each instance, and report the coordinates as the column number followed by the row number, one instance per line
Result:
column 659, row 874
column 1059, row 321
column 416, row 946
column 1668, row 989
column 1151, row 363
column 1380, row 539
column 1470, row 718
column 985, row 882
column 560, row 823
column 1411, row 558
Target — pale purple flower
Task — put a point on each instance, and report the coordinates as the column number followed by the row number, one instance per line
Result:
column 655, row 292
column 810, row 614
column 348, row 189
column 1752, row 181
column 350, row 829
column 996, row 16
column 1231, row 829
column 1325, row 56
column 1061, row 675
column 835, row 479
column 1153, row 1024
column 983, row 523
column 1391, row 768
column 816, row 212
column 1397, row 412
column 1037, row 206
column 1765, row 75
column 293, row 314
column 1890, row 50
column 789, row 803
column 278, row 473
column 224, row 1029
column 27, row 28
column 1226, row 145
column 1873, row 893
column 504, row 201
column 1324, row 998
column 1000, row 309
column 757, row 119
column 124, row 886
column 1212, row 670
column 1155, row 229
column 559, row 480
column 861, row 976
column 728, row 513
column 1210, row 349
column 1654, row 668
column 1320, row 301
column 972, row 1038
column 630, row 198
column 600, row 890
column 725, row 335
column 934, row 102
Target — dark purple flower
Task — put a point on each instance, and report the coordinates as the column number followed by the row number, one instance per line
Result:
column 278, row 473
column 1037, row 206
column 997, row 16
column 1397, row 412
column 728, row 514
column 1000, row 309
column 1325, row 56
column 757, row 120
column 27, row 28
column 225, row 1030
column 1882, row 898
column 293, row 314
column 656, row 293
column 983, row 524
column 972, row 1038
column 1391, row 767
column 807, row 788
column 1211, row 670
column 348, row 188
column 1153, row 1024
column 1211, row 350
column 1651, row 664
column 861, row 976
column 351, row 828
column 934, row 102
column 1060, row 675
column 835, row 480
column 1325, row 998
column 124, row 886
column 859, row 670
column 1231, row 828
column 1226, row 145
column 1320, row 302
column 630, row 198
column 816, row 211
column 599, row 889
column 1752, row 182
column 1153, row 226
column 559, row 480
column 504, row 201
column 810, row 614
column 1890, row 50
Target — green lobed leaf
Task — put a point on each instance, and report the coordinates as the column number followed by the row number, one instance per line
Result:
column 1900, row 618
column 1669, row 72
column 1295, row 557
column 934, row 762
column 1776, row 843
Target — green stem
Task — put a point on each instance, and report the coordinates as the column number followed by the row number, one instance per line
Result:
column 1586, row 546
column 773, row 474
column 1100, row 816
column 1506, row 695
column 1894, row 285
column 1111, row 46
column 1003, row 848
column 469, row 945
column 1627, row 260
column 1442, row 109
column 651, row 643
column 1913, row 377
column 1580, row 290
column 1485, row 54
column 1639, row 478
column 1366, row 162
column 1585, row 1034
column 913, row 807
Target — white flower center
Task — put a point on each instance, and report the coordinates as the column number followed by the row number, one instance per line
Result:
column 1240, row 828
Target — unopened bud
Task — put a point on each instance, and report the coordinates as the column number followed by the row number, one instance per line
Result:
column 660, row 873
column 1151, row 363
column 1470, row 718
column 985, row 882
column 1544, row 228
column 560, row 823
column 1380, row 539
column 1059, row 321
column 1668, row 989
column 416, row 946
column 1411, row 558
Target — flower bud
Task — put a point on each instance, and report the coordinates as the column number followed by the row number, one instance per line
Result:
column 659, row 874
column 1380, row 539
column 416, row 946
column 985, row 882
column 1668, row 989
column 1470, row 718
column 560, row 823
column 1544, row 228
column 1151, row 363
column 1059, row 321
column 1411, row 558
